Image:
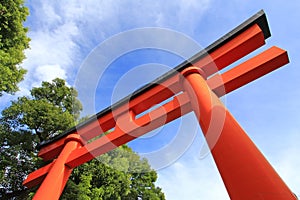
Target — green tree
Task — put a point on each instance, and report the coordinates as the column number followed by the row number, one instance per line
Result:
column 17, row 160
column 118, row 174
column 13, row 42
column 50, row 110
column 28, row 121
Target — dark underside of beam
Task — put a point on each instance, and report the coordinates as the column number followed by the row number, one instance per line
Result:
column 259, row 18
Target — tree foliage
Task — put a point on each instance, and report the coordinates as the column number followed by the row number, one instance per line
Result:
column 50, row 110
column 58, row 94
column 28, row 121
column 13, row 41
column 17, row 160
column 118, row 174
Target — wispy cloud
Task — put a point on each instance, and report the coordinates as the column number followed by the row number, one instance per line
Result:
column 287, row 161
column 192, row 179
column 63, row 33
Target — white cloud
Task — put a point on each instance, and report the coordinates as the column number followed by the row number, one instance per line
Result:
column 63, row 33
column 192, row 179
column 49, row 72
column 286, row 160
column 52, row 47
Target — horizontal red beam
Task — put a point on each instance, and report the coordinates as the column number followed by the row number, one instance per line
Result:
column 138, row 105
column 225, row 83
column 244, row 43
column 36, row 177
column 127, row 130
column 250, row 70
column 240, row 46
column 244, row 73
column 133, row 127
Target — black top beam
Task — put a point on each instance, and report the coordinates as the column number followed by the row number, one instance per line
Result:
column 259, row 18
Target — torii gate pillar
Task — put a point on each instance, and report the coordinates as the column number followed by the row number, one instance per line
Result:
column 245, row 172
column 58, row 175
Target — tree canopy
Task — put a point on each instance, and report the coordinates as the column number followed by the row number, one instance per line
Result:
column 13, row 42
column 28, row 121
column 50, row 110
column 118, row 174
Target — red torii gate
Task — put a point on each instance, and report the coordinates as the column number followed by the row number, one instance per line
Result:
column 195, row 86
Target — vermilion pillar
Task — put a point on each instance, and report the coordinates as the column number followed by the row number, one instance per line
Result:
column 57, row 177
column 244, row 170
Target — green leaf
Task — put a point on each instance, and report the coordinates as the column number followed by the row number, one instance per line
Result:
column 13, row 42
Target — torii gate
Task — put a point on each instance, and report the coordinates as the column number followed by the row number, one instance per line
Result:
column 195, row 86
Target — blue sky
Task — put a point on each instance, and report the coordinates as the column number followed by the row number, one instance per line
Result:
column 65, row 33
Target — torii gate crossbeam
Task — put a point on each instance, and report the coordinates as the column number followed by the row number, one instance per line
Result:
column 195, row 86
